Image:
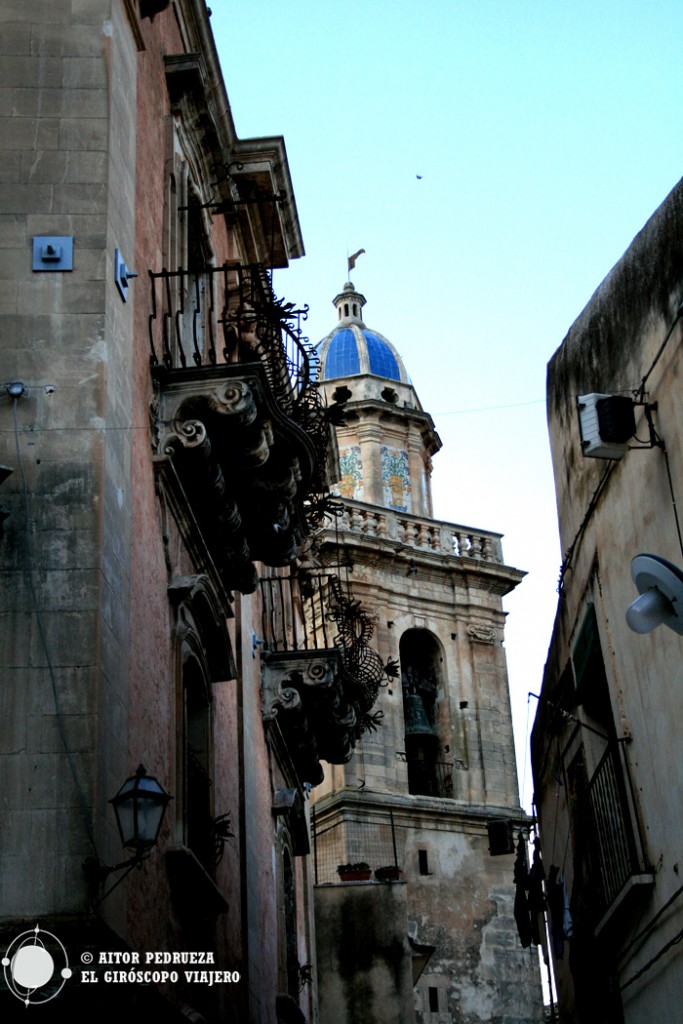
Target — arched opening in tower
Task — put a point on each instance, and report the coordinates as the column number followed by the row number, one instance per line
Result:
column 420, row 678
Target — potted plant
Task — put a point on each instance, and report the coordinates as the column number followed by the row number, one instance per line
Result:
column 359, row 872
column 389, row 873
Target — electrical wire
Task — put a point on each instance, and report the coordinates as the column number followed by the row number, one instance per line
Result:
column 28, row 573
column 592, row 504
column 650, row 925
column 640, row 391
column 673, row 496
column 490, row 408
column 658, row 956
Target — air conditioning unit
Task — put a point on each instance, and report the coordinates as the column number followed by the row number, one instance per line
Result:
column 607, row 423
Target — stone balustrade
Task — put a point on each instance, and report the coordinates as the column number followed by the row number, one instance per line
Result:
column 421, row 534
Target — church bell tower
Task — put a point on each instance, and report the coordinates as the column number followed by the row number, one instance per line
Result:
column 428, row 934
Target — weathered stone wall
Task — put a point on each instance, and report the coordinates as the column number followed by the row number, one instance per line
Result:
column 364, row 964
column 608, row 513
column 86, row 137
column 55, row 138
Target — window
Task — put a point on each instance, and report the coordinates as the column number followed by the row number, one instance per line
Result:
column 607, row 844
column 433, row 999
column 290, row 927
column 592, row 690
column 423, row 862
column 196, row 764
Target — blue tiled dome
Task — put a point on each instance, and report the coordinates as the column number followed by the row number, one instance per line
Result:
column 351, row 349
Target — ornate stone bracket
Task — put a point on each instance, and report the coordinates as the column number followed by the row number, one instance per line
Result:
column 307, row 692
column 245, row 466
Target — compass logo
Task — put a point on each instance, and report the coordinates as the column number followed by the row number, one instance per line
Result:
column 31, row 973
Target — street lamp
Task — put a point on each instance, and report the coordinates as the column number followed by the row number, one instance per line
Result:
column 139, row 807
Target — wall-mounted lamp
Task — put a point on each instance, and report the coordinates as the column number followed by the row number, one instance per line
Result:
column 139, row 807
column 660, row 585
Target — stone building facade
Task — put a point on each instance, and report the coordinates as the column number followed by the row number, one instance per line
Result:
column 428, row 934
column 163, row 450
column 608, row 772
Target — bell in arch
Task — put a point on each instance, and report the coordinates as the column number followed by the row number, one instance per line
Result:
column 416, row 718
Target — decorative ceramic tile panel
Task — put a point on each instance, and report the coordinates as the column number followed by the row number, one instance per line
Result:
column 351, row 483
column 396, row 479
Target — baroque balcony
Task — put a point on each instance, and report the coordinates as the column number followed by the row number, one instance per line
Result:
column 321, row 677
column 241, row 435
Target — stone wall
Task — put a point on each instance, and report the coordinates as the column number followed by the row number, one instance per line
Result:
column 610, row 511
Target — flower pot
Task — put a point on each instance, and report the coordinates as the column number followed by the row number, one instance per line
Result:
column 354, row 872
column 390, row 873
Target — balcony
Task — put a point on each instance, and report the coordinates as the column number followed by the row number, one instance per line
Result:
column 321, row 677
column 616, row 851
column 422, row 535
column 242, row 438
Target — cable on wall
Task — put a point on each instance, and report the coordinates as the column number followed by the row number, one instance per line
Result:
column 592, row 504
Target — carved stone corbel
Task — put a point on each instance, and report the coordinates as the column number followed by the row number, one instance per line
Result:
column 235, row 399
column 287, row 678
column 188, row 434
column 277, row 696
column 481, row 634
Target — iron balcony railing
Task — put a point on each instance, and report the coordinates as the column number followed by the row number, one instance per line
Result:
column 616, row 845
column 298, row 611
column 229, row 314
column 430, row 778
column 317, row 612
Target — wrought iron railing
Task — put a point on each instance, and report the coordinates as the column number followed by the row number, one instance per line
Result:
column 229, row 314
column 617, row 849
column 429, row 778
column 315, row 612
column 297, row 611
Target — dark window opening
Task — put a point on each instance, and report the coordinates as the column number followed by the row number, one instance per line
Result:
column 592, row 689
column 290, row 928
column 198, row 817
column 433, row 999
column 423, row 862
column 195, row 301
column 419, row 680
column 341, row 394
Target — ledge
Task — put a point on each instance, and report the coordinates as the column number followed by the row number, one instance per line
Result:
column 633, row 889
column 193, row 890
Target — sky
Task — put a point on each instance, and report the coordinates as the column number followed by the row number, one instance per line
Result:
column 494, row 158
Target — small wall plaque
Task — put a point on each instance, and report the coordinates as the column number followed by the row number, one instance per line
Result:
column 53, row 252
